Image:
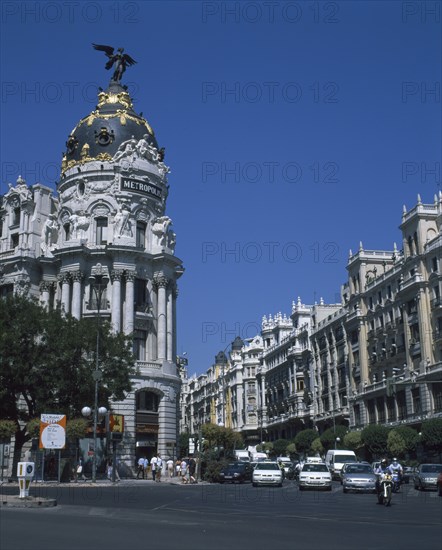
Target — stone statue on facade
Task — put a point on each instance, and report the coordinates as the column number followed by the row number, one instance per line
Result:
column 78, row 226
column 49, row 235
column 126, row 150
column 160, row 231
column 122, row 222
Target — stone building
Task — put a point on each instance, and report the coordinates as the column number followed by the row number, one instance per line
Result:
column 107, row 221
column 374, row 358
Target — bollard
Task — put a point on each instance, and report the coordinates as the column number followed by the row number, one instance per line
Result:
column 25, row 473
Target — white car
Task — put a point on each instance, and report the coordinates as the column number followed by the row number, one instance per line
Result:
column 316, row 476
column 267, row 473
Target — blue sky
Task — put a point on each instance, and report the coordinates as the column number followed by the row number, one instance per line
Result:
column 293, row 130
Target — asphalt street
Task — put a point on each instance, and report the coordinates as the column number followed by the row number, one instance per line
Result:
column 151, row 516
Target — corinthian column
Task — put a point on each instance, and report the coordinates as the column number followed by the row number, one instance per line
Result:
column 161, row 282
column 65, row 280
column 116, row 276
column 169, row 323
column 129, row 309
column 45, row 287
column 76, row 294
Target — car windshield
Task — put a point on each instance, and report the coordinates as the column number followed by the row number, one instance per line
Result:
column 236, row 465
column 358, row 469
column 267, row 466
column 315, row 468
column 431, row 468
column 344, row 458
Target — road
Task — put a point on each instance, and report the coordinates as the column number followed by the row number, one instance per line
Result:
column 201, row 517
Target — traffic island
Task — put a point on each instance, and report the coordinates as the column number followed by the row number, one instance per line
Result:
column 14, row 501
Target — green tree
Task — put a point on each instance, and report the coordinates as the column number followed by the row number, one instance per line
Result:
column 352, row 441
column 280, row 447
column 374, row 437
column 291, row 449
column 328, row 438
column 396, row 444
column 410, row 437
column 47, row 363
column 431, row 431
column 304, row 440
column 317, row 446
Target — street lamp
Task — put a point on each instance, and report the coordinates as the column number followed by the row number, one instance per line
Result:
column 98, row 283
column 337, row 440
column 100, row 412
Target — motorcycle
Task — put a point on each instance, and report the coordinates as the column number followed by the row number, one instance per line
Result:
column 385, row 488
column 396, row 481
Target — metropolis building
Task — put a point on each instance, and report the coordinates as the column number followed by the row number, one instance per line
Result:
column 107, row 219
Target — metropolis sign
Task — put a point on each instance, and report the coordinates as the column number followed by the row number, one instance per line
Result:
column 141, row 187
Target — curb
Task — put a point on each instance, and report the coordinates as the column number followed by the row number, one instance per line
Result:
column 12, row 501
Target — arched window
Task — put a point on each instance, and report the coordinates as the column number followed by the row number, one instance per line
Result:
column 101, row 231
column 147, row 401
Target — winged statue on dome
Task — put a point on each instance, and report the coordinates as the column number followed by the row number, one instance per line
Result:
column 119, row 59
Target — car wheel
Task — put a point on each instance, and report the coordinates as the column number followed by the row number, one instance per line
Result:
column 255, row 484
column 344, row 490
column 301, row 488
column 439, row 490
column 329, row 488
column 280, row 485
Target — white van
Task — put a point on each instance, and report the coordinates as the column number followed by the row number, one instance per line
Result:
column 336, row 458
column 242, row 456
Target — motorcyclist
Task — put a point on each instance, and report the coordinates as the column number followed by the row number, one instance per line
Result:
column 396, row 468
column 382, row 469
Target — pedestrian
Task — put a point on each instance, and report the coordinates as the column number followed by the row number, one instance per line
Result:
column 178, row 467
column 159, row 468
column 140, row 467
column 184, row 470
column 146, row 466
column 79, row 470
column 192, row 468
column 110, row 471
column 169, row 465
column 153, row 466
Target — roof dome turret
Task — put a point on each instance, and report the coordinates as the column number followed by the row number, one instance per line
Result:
column 113, row 122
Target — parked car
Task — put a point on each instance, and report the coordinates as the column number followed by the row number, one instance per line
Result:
column 315, row 476
column 439, row 484
column 236, row 472
column 407, row 474
column 426, row 476
column 267, row 473
column 356, row 476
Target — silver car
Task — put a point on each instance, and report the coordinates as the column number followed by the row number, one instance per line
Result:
column 315, row 476
column 358, row 477
column 267, row 473
column 425, row 476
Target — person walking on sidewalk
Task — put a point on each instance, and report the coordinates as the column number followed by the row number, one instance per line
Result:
column 159, row 468
column 153, row 466
column 140, row 467
column 169, row 465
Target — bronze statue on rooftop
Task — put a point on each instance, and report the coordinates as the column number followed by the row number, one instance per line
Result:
column 119, row 59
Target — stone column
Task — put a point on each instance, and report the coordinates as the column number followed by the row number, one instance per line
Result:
column 76, row 294
column 174, row 323
column 153, row 349
column 65, row 280
column 116, row 277
column 129, row 309
column 161, row 315
column 169, row 324
column 167, row 412
column 45, row 287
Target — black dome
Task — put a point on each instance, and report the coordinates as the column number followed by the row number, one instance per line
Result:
column 99, row 135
